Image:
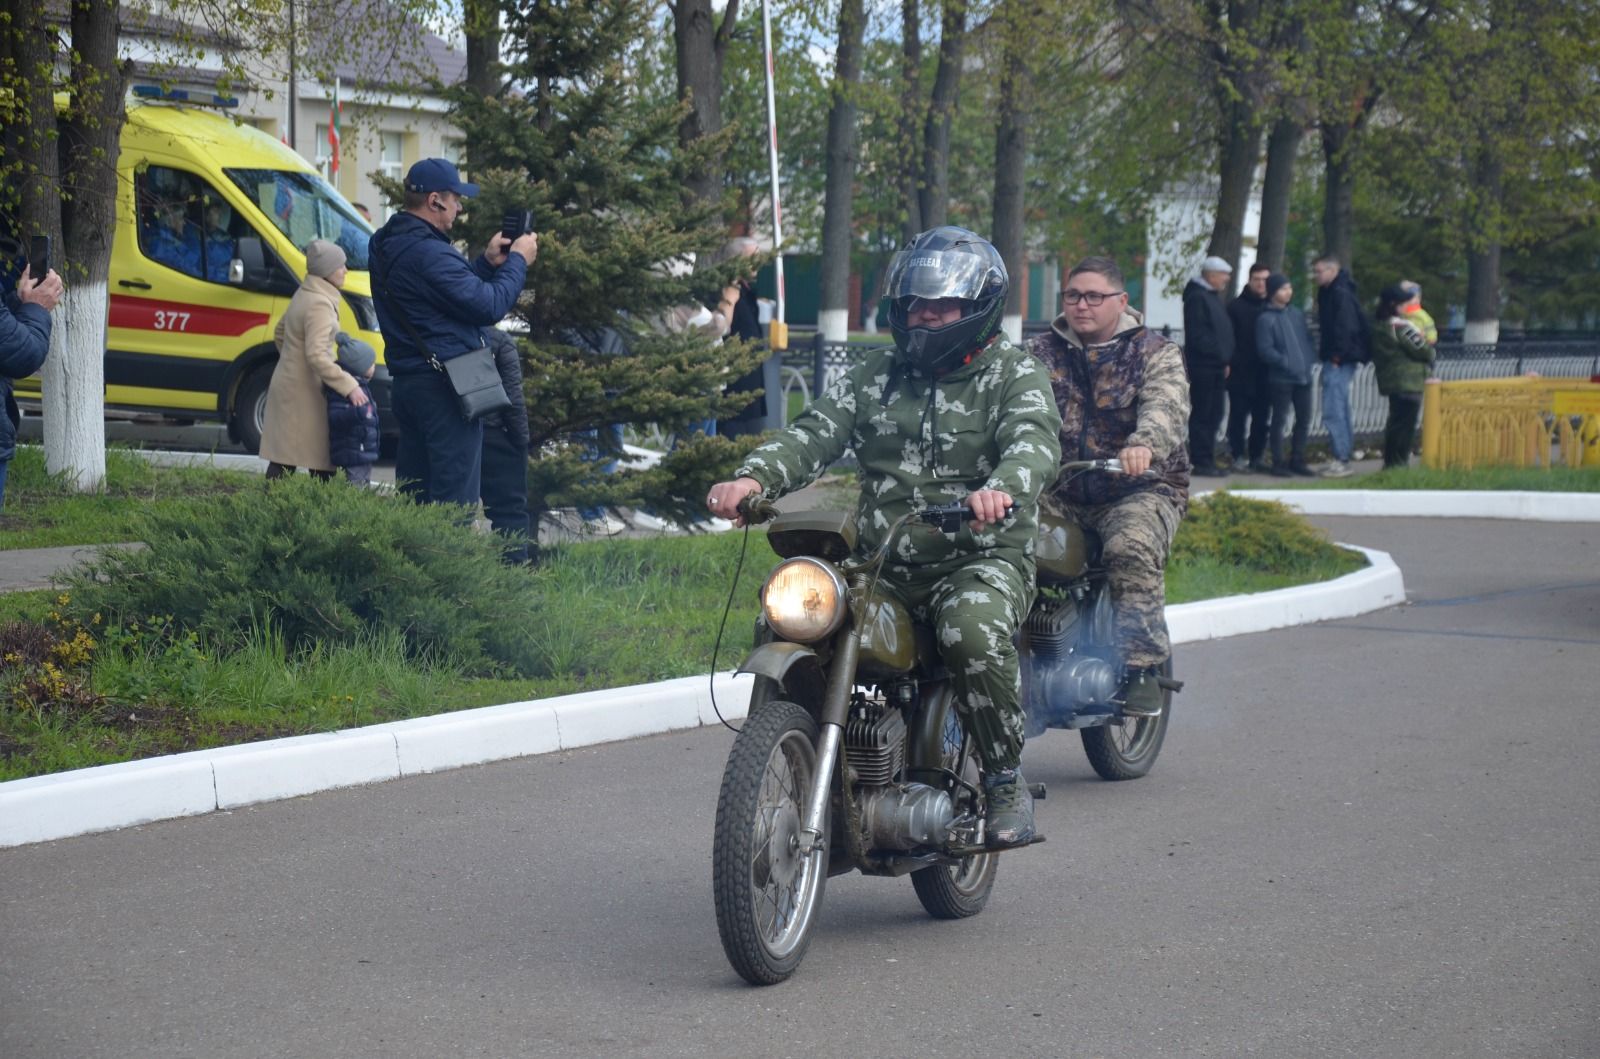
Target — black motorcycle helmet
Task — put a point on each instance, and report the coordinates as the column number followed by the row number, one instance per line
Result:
column 946, row 262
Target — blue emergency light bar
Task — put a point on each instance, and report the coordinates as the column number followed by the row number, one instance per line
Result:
column 183, row 95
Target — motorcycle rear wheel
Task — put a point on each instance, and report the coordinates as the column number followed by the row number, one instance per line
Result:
column 956, row 891
column 766, row 894
column 1128, row 750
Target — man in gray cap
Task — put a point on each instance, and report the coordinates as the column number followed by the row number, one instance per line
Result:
column 1207, row 351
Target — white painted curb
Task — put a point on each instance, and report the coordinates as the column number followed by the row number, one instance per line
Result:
column 1436, row 503
column 112, row 796
column 1379, row 585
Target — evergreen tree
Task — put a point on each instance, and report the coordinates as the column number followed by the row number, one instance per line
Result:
column 572, row 137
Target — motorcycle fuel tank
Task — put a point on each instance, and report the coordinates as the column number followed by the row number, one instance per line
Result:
column 888, row 639
column 1063, row 549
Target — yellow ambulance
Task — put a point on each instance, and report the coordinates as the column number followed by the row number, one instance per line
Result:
column 212, row 221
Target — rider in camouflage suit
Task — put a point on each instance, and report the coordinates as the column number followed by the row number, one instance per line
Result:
column 1122, row 392
column 954, row 413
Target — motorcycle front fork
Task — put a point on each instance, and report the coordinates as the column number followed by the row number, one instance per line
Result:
column 835, row 711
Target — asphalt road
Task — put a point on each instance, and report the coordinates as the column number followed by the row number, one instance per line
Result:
column 1373, row 837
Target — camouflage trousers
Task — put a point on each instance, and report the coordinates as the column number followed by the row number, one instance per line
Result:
column 1135, row 538
column 975, row 612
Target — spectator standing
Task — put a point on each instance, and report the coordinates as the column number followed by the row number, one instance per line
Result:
column 353, row 427
column 1344, row 347
column 504, row 486
column 1207, row 352
column 433, row 304
column 1401, row 354
column 25, row 307
column 294, row 432
column 1249, row 393
column 744, row 324
column 1286, row 354
column 1413, row 311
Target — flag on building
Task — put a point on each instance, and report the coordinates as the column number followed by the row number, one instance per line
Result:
column 333, row 133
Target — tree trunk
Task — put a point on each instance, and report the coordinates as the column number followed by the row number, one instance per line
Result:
column 912, row 114
column 1338, row 193
column 1283, row 147
column 1240, row 149
column 934, row 193
column 1483, row 260
column 74, row 376
column 833, row 318
column 1010, row 164
column 481, row 21
column 701, row 44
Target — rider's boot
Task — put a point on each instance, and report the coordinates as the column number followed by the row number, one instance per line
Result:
column 1142, row 694
column 1009, row 820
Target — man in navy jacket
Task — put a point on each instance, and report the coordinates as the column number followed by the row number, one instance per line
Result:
column 24, row 343
column 420, row 279
column 1345, row 346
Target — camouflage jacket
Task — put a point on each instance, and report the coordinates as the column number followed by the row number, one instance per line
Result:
column 1129, row 391
column 989, row 424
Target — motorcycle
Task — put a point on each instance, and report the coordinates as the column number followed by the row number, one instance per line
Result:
column 853, row 755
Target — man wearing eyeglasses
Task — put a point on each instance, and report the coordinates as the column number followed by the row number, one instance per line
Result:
column 1122, row 393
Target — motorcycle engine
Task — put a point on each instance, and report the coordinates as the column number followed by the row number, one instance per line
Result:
column 895, row 816
column 1064, row 679
column 907, row 816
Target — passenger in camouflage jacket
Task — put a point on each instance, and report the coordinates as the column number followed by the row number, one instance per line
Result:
column 1122, row 393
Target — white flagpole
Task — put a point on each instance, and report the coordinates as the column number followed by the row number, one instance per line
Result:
column 772, row 158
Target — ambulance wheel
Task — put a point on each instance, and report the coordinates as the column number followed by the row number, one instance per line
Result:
column 250, row 408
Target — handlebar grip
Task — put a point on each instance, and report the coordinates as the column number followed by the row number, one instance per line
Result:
column 757, row 509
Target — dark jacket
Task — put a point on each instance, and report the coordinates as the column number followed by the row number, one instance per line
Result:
column 1243, row 312
column 1343, row 324
column 352, row 431
column 746, row 320
column 24, row 343
column 1207, row 331
column 508, row 360
column 446, row 300
column 1283, row 344
column 1129, row 391
column 1400, row 356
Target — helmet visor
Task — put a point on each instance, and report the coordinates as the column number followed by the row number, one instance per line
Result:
column 933, row 274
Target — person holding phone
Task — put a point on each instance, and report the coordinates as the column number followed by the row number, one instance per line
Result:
column 26, row 301
column 432, row 304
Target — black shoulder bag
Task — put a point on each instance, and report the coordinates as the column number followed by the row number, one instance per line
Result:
column 473, row 376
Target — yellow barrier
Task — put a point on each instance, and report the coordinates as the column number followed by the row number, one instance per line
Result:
column 1523, row 422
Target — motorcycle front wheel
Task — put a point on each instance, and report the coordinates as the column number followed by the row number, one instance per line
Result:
column 956, row 891
column 1128, row 750
column 767, row 894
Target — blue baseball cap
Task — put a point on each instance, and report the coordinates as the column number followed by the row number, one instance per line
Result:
column 436, row 174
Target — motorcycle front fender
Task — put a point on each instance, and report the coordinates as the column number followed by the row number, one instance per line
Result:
column 775, row 659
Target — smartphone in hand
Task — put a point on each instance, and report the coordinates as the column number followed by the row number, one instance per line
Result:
column 39, row 257
column 516, row 224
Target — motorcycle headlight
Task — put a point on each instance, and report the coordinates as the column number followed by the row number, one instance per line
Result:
column 804, row 600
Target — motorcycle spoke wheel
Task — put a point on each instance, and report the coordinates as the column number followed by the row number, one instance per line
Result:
column 956, row 891
column 767, row 893
column 1128, row 750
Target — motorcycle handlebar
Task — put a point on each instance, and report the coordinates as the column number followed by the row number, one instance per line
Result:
column 757, row 509
column 949, row 517
column 1112, row 465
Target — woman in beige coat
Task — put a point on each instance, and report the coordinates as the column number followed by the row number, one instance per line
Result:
column 295, row 428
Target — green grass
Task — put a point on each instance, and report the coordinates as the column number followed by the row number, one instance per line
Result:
column 40, row 512
column 604, row 614
column 1495, row 479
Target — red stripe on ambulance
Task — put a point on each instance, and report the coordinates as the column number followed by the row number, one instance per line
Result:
column 147, row 314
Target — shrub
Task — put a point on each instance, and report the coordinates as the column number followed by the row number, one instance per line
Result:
column 318, row 564
column 1254, row 534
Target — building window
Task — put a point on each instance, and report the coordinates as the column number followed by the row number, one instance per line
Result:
column 453, row 152
column 392, row 163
